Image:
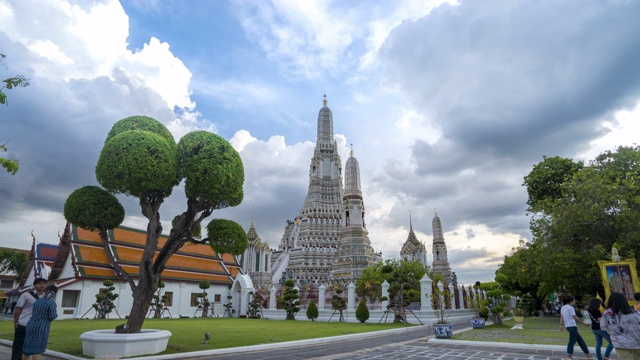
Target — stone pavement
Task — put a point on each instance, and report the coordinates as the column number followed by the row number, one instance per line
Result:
column 424, row 348
column 465, row 350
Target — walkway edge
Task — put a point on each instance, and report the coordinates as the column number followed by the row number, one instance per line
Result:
column 506, row 345
column 47, row 352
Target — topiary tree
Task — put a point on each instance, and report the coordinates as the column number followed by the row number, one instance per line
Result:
column 228, row 307
column 141, row 159
column 203, row 299
column 253, row 309
column 362, row 312
column 338, row 303
column 290, row 299
column 104, row 300
column 312, row 311
column 157, row 303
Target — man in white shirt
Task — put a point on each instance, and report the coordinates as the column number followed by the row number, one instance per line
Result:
column 23, row 314
column 569, row 318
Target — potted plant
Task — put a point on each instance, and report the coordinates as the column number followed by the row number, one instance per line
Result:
column 480, row 312
column 441, row 302
column 518, row 314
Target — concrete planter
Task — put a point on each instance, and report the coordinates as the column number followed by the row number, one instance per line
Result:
column 106, row 344
column 519, row 320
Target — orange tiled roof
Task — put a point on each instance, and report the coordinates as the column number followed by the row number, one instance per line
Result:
column 193, row 262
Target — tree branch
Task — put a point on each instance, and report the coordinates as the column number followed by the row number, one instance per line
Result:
column 118, row 269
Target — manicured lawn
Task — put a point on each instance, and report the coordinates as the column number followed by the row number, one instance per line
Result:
column 543, row 330
column 189, row 333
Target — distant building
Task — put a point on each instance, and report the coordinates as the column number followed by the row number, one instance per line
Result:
column 413, row 249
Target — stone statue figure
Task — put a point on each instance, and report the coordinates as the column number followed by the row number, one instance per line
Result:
column 614, row 254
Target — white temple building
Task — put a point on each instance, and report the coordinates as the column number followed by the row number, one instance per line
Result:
column 413, row 249
column 327, row 242
column 256, row 261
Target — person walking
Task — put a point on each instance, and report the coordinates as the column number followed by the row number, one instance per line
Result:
column 569, row 318
column 23, row 314
column 595, row 315
column 623, row 323
column 37, row 334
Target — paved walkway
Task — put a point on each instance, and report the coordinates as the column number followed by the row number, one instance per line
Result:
column 423, row 348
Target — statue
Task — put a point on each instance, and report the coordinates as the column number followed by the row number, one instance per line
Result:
column 614, row 254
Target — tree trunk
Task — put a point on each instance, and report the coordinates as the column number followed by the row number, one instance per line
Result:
column 149, row 275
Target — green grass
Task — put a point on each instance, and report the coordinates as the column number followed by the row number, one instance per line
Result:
column 543, row 330
column 187, row 334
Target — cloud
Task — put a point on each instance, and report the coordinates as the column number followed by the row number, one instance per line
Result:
column 447, row 106
column 297, row 35
column 508, row 78
column 494, row 86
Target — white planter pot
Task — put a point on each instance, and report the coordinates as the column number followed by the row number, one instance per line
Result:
column 106, row 344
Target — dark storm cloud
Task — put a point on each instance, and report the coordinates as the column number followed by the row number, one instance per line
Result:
column 508, row 77
column 506, row 82
column 56, row 129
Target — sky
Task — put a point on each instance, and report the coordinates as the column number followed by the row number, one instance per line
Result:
column 447, row 105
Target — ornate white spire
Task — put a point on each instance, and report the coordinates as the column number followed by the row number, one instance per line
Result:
column 440, row 260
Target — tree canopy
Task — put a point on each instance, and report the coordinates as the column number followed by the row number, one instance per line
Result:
column 578, row 212
column 140, row 158
column 13, row 261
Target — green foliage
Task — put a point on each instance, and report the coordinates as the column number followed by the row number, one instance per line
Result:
column 253, row 310
column 403, row 278
column 203, row 298
column 10, row 83
column 13, row 261
column 143, row 123
column 141, row 159
column 138, row 163
column 158, row 301
column 362, row 312
column 312, row 311
column 10, row 165
column 227, row 237
column 495, row 301
column 440, row 299
column 212, row 169
column 290, row 301
column 369, row 285
column 104, row 300
column 544, row 183
column 476, row 306
column 93, row 208
column 229, row 310
column 339, row 303
column 579, row 213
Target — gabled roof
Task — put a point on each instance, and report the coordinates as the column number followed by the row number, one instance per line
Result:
column 191, row 263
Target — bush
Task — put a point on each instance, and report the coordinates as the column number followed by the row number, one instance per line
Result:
column 362, row 313
column 312, row 311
